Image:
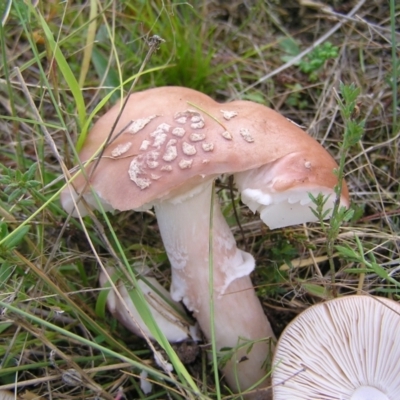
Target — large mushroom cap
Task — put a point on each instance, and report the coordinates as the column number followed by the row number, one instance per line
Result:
column 173, row 137
column 343, row 349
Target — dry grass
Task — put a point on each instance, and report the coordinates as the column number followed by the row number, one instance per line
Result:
column 229, row 50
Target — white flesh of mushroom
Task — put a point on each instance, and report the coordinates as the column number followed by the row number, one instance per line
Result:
column 291, row 207
column 280, row 190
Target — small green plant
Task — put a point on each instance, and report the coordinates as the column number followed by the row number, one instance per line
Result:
column 354, row 129
column 17, row 185
column 313, row 61
column 317, row 58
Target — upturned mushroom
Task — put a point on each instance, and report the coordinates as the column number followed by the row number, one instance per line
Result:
column 166, row 312
column 346, row 348
column 168, row 146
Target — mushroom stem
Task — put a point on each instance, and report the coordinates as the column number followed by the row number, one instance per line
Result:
column 184, row 223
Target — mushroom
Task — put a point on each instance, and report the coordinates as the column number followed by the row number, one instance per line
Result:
column 168, row 146
column 346, row 348
column 166, row 312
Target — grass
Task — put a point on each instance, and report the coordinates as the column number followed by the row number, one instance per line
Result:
column 62, row 65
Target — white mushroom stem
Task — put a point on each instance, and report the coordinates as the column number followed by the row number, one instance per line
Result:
column 184, row 224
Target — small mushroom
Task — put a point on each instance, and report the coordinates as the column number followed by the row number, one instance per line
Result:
column 346, row 348
column 166, row 312
column 261, row 143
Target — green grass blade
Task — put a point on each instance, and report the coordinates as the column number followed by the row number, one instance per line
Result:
column 66, row 71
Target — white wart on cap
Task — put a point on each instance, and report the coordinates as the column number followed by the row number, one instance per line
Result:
column 344, row 349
